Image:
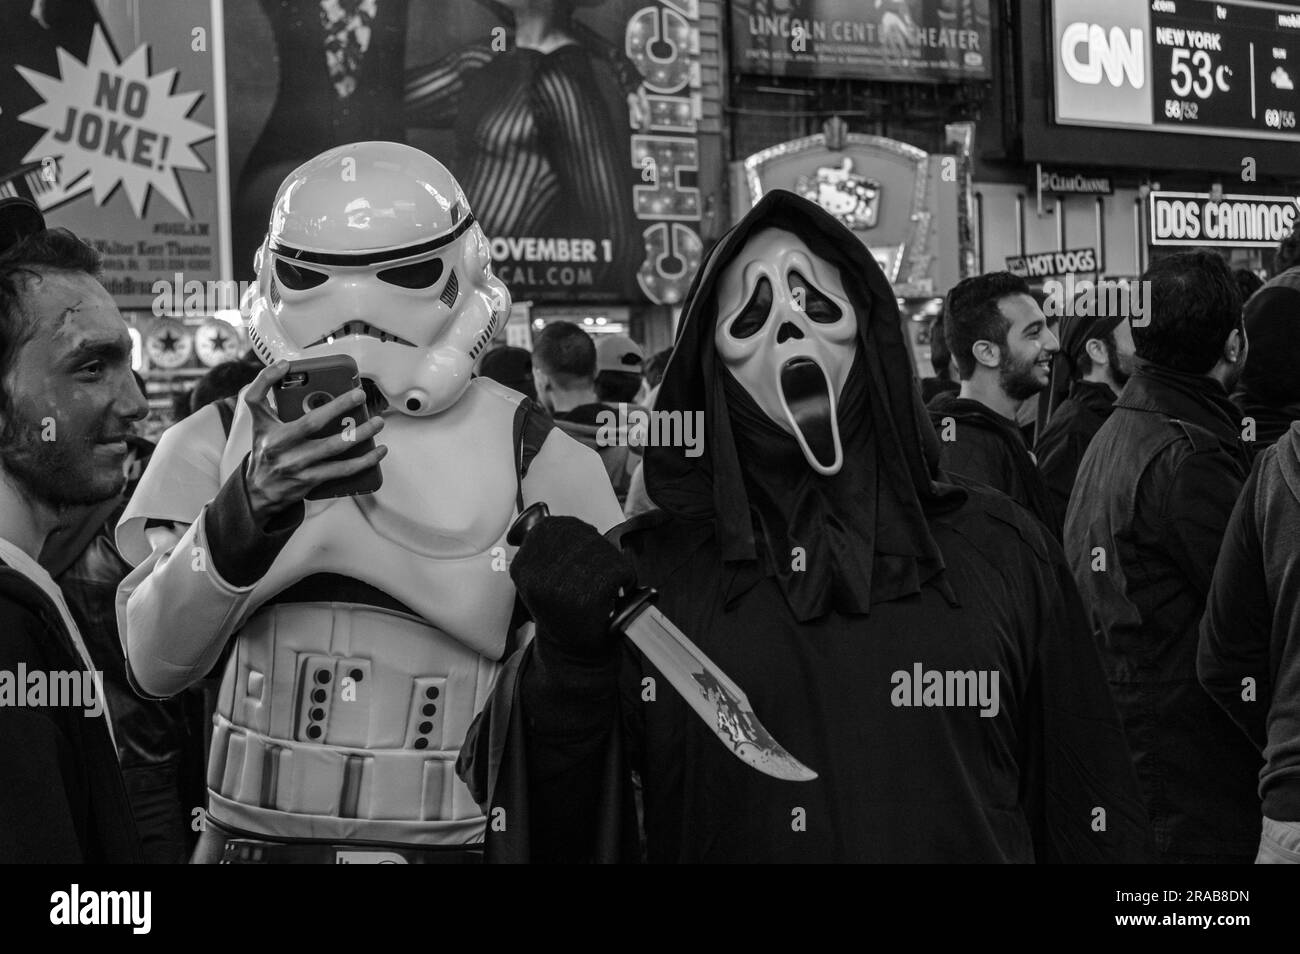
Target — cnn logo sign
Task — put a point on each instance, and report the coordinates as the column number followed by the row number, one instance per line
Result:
column 1089, row 51
column 1100, row 57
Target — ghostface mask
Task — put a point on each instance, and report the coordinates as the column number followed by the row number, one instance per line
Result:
column 787, row 333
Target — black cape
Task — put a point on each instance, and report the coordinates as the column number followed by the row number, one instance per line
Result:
column 962, row 581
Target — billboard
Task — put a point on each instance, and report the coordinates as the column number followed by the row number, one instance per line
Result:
column 1209, row 67
column 573, row 129
column 108, row 121
column 904, row 40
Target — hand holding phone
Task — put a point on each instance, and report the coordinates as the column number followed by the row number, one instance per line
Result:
column 326, row 446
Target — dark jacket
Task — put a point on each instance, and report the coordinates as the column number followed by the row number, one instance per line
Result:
column 160, row 742
column 1067, row 435
column 1271, row 420
column 1145, row 522
column 983, row 445
column 1251, row 628
column 933, row 387
column 61, row 798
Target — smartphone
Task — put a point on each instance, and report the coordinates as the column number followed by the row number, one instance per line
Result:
column 313, row 383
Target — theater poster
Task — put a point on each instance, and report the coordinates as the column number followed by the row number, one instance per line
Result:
column 571, row 126
column 108, row 121
column 905, row 40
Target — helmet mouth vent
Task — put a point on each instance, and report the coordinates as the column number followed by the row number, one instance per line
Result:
column 360, row 329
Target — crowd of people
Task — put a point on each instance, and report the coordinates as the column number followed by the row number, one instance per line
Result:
column 360, row 678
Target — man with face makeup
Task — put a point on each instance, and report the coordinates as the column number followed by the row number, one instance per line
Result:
column 815, row 554
column 68, row 403
column 1003, row 346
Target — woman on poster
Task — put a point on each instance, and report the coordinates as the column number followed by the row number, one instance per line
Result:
column 536, row 143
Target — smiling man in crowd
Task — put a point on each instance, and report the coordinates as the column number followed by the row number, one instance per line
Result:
column 67, row 403
column 1003, row 348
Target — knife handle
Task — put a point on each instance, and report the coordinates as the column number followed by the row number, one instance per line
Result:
column 629, row 604
column 629, row 607
column 527, row 519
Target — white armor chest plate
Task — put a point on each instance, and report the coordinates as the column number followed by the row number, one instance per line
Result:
column 342, row 722
column 427, row 536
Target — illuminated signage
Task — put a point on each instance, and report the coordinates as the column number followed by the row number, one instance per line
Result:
column 1244, row 221
column 1213, row 67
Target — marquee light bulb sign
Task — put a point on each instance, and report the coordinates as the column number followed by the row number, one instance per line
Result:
column 1211, row 67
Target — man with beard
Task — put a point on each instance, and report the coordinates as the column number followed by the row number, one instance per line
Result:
column 818, row 559
column 1099, row 354
column 67, row 406
column 1145, row 523
column 1003, row 346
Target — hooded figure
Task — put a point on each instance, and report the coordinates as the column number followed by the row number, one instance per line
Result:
column 919, row 644
column 1269, row 391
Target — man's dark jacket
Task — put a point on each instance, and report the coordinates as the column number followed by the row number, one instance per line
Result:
column 1144, row 526
column 160, row 741
column 1063, row 442
column 61, row 797
column 982, row 445
column 1251, row 628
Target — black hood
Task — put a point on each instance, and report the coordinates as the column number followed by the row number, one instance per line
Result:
column 865, row 529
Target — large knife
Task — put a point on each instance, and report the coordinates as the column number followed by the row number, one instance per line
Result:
column 707, row 689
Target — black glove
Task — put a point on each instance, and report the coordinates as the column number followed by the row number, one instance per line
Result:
column 568, row 577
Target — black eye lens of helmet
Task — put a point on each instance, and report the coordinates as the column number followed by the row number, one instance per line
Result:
column 755, row 313
column 816, row 306
column 416, row 275
column 296, row 278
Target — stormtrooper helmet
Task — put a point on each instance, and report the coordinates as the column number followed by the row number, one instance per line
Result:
column 372, row 251
column 787, row 332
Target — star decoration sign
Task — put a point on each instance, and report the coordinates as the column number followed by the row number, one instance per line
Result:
column 112, row 123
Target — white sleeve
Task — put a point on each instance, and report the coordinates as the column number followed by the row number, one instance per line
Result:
column 174, row 611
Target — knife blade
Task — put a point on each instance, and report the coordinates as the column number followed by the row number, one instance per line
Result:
column 719, row 702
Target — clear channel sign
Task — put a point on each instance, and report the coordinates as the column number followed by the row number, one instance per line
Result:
column 1214, row 67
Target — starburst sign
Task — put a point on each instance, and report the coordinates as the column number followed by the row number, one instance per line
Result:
column 112, row 122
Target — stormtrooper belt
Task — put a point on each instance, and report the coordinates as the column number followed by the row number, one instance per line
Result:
column 250, row 851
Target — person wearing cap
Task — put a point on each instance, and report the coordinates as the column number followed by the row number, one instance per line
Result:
column 1098, row 353
column 1268, row 394
column 620, row 368
column 68, row 409
column 570, row 378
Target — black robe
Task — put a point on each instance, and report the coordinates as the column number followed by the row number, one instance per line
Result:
column 957, row 580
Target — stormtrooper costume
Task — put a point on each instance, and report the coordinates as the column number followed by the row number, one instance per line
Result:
column 817, row 555
column 358, row 635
